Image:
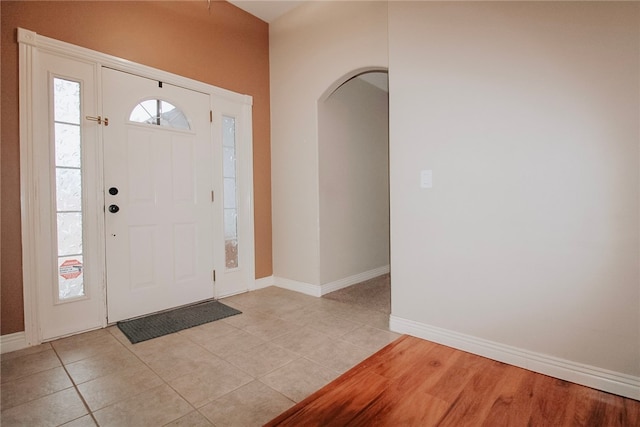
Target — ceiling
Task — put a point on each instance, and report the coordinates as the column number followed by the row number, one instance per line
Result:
column 270, row 10
column 267, row 10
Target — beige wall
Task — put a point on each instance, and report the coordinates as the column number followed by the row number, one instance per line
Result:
column 353, row 164
column 313, row 48
column 225, row 47
column 528, row 115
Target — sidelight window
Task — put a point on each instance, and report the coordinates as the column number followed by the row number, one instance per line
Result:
column 230, row 192
column 68, row 189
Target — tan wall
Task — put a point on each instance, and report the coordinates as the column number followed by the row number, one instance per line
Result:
column 225, row 47
column 528, row 115
column 312, row 48
column 353, row 168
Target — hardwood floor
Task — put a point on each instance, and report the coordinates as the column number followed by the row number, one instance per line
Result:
column 413, row 382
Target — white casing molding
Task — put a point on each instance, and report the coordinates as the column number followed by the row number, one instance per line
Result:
column 352, row 280
column 590, row 376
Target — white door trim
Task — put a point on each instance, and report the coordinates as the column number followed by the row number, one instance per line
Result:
column 30, row 43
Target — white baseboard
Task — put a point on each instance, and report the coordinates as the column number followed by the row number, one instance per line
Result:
column 263, row 282
column 590, row 376
column 294, row 285
column 352, row 280
column 13, row 342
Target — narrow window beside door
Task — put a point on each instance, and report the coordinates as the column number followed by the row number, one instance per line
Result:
column 68, row 162
column 230, row 192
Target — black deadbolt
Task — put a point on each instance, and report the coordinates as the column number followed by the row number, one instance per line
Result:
column 114, row 208
column 113, row 191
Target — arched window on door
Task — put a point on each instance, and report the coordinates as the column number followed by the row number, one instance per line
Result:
column 161, row 113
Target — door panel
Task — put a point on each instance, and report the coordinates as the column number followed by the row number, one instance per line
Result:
column 159, row 243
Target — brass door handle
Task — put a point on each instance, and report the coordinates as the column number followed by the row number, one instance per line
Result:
column 98, row 119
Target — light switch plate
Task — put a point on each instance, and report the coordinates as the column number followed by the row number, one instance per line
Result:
column 426, row 179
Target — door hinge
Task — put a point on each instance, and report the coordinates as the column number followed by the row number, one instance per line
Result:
column 214, row 275
column 211, row 116
column 213, row 197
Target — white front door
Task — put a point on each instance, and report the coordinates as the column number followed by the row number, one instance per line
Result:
column 160, row 249
column 159, row 212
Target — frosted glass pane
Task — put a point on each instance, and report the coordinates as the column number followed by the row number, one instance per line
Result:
column 67, row 145
column 229, row 193
column 230, row 224
column 70, row 277
column 229, row 162
column 228, row 131
column 231, row 253
column 66, row 101
column 69, row 189
column 161, row 113
column 69, row 233
column 145, row 112
column 230, row 202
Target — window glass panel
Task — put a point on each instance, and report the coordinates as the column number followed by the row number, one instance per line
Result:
column 69, row 233
column 230, row 193
column 160, row 113
column 67, row 145
column 68, row 161
column 230, row 201
column 145, row 111
column 66, row 101
column 230, row 224
column 69, row 189
column 229, row 162
column 229, row 132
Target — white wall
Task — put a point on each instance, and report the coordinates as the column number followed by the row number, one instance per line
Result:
column 311, row 49
column 528, row 115
column 353, row 151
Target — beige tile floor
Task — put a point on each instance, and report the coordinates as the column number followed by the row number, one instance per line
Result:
column 240, row 371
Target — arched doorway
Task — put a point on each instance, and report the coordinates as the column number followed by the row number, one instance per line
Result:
column 353, row 167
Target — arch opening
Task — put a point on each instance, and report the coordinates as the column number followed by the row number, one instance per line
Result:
column 353, row 177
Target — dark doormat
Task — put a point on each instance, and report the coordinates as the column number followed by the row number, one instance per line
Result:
column 168, row 322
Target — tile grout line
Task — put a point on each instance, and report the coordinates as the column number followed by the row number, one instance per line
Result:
column 272, row 311
column 164, row 381
column 75, row 386
column 217, row 356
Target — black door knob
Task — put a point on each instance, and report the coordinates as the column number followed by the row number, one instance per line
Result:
column 113, row 191
column 114, row 208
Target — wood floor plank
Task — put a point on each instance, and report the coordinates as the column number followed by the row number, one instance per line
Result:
column 413, row 382
column 338, row 404
column 551, row 398
column 515, row 401
column 476, row 399
column 580, row 411
column 425, row 370
column 405, row 357
column 394, row 408
column 456, row 377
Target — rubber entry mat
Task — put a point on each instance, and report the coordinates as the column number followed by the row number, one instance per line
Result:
column 168, row 322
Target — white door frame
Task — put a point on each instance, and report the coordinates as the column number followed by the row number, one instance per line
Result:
column 30, row 43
